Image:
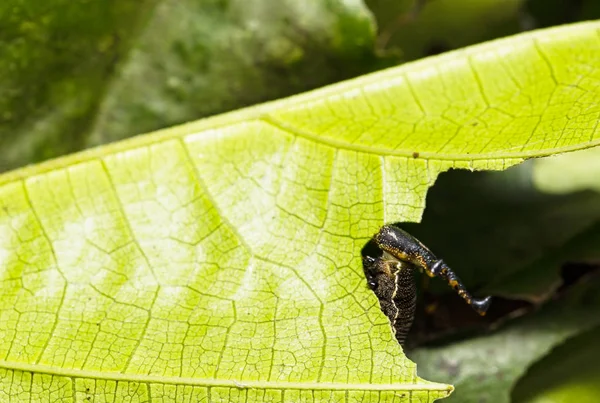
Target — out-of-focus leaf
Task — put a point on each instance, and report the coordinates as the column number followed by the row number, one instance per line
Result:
column 545, row 13
column 570, row 373
column 484, row 369
column 419, row 28
column 80, row 73
column 568, row 173
column 57, row 58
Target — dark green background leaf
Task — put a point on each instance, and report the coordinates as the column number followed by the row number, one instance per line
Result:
column 485, row 369
column 569, row 374
column 81, row 73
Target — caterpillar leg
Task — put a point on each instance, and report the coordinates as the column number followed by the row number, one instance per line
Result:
column 440, row 269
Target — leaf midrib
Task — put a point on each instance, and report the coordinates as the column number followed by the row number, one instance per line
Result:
column 174, row 380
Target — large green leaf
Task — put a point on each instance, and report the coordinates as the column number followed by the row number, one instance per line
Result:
column 221, row 258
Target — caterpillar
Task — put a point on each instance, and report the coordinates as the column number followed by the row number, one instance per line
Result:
column 389, row 262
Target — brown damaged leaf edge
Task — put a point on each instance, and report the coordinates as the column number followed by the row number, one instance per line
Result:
column 390, row 276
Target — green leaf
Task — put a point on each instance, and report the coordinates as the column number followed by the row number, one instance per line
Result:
column 57, row 59
column 76, row 74
column 545, row 13
column 222, row 258
column 420, row 28
column 570, row 373
column 485, row 369
column 569, row 173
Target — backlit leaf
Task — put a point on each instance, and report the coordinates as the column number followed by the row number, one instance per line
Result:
column 220, row 259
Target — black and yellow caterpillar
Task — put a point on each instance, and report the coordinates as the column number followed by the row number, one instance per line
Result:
column 389, row 267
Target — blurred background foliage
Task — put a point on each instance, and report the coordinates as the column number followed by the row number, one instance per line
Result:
column 80, row 73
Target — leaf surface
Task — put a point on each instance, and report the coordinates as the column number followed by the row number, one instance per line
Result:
column 221, row 259
column 569, row 373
